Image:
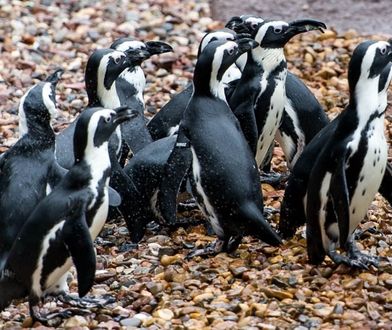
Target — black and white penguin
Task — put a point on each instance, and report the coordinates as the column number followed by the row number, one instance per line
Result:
column 223, row 171
column 264, row 81
column 166, row 121
column 26, row 167
column 303, row 117
column 102, row 71
column 349, row 168
column 292, row 212
column 130, row 86
column 61, row 229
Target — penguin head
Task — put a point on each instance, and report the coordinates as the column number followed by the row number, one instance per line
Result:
column 222, row 34
column 245, row 23
column 102, row 69
column 275, row 34
column 146, row 49
column 38, row 106
column 370, row 58
column 95, row 126
column 217, row 57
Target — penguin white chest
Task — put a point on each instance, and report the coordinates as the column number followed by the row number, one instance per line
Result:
column 371, row 173
column 205, row 205
column 272, row 120
column 101, row 215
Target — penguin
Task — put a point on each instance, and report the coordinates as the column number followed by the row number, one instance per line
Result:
column 266, row 79
column 349, row 168
column 292, row 212
column 61, row 229
column 103, row 68
column 166, row 121
column 223, row 172
column 29, row 168
column 130, row 86
column 302, row 118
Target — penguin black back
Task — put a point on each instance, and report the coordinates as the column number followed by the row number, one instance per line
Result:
column 25, row 167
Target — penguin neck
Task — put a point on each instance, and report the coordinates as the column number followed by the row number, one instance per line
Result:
column 97, row 160
column 364, row 99
column 208, row 85
column 135, row 83
column 268, row 58
column 385, row 80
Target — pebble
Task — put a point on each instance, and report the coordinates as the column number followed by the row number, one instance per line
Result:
column 75, row 321
column 165, row 314
column 131, row 322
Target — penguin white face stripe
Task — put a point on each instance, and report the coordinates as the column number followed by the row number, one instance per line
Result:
column 108, row 98
column 49, row 104
column 22, row 116
column 219, row 35
column 254, row 20
column 216, row 86
column 106, row 114
column 132, row 44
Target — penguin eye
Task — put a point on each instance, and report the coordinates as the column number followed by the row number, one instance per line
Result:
column 253, row 26
column 117, row 60
column 231, row 51
column 383, row 50
column 108, row 119
column 278, row 30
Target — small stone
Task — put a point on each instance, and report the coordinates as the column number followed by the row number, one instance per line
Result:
column 370, row 278
column 165, row 314
column 169, row 260
column 204, row 296
column 75, row 321
column 131, row 322
column 279, row 294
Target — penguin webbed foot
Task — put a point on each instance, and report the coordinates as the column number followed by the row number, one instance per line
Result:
column 188, row 205
column 268, row 211
column 86, row 302
column 228, row 245
column 51, row 319
column 211, row 249
column 354, row 258
column 276, row 180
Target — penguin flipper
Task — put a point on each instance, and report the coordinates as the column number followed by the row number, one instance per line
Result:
column 10, row 290
column 385, row 187
column 340, row 199
column 78, row 240
column 176, row 168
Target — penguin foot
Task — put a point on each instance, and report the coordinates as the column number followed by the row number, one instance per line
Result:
column 86, row 302
column 185, row 222
column 125, row 247
column 354, row 257
column 268, row 211
column 359, row 234
column 276, row 180
column 188, row 205
column 52, row 319
column 211, row 249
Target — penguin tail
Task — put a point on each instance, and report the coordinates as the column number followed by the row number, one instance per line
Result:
column 257, row 225
column 10, row 290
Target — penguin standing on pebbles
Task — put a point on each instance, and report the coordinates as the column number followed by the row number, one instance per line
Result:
column 292, row 211
column 349, row 169
column 223, row 171
column 263, row 79
column 64, row 224
column 27, row 168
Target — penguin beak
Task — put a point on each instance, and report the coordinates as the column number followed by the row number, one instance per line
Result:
column 137, row 56
column 304, row 25
column 158, row 47
column 237, row 24
column 123, row 114
column 55, row 76
column 246, row 44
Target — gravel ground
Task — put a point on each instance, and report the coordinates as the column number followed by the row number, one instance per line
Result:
column 258, row 287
